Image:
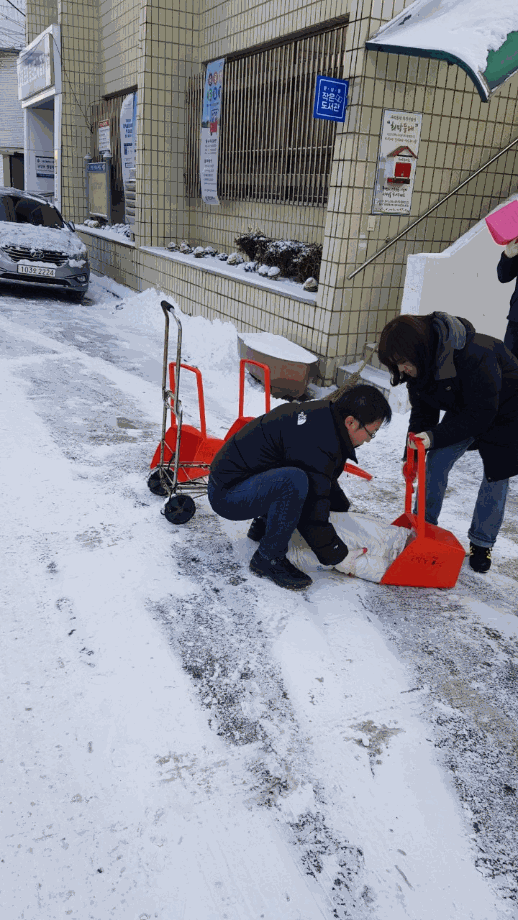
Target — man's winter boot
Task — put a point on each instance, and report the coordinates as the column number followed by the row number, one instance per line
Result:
column 257, row 529
column 280, row 571
column 479, row 558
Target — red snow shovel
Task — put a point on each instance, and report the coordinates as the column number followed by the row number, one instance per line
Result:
column 433, row 557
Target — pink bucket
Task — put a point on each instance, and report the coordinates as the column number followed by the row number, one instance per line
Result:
column 503, row 224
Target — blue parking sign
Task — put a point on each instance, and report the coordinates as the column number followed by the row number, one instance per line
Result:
column 330, row 98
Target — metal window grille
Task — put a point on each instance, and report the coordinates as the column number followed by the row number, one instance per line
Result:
column 271, row 147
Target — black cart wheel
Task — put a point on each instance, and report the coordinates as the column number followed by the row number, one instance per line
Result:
column 179, row 509
column 156, row 484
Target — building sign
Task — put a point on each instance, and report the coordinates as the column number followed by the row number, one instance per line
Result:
column 35, row 66
column 98, row 195
column 128, row 135
column 104, row 137
column 210, row 131
column 397, row 160
column 330, row 98
column 44, row 167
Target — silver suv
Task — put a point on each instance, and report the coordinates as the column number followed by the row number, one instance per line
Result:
column 38, row 247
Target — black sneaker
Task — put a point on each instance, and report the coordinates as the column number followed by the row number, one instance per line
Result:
column 479, row 558
column 281, row 571
column 257, row 529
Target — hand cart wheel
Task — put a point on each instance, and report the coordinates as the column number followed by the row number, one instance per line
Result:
column 179, row 509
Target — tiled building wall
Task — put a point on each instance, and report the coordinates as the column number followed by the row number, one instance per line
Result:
column 201, row 292
column 39, row 16
column 459, row 134
column 120, row 55
column 236, row 26
column 168, row 41
column 11, row 122
column 80, row 46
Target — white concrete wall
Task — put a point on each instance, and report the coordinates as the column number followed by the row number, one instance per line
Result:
column 462, row 280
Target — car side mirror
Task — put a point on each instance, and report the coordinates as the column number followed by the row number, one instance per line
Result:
column 71, row 225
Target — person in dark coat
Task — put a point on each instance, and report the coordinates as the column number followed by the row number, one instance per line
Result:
column 449, row 366
column 282, row 470
column 507, row 270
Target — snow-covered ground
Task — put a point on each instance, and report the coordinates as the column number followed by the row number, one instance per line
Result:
column 183, row 741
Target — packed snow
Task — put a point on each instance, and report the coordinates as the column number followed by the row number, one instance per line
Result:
column 183, row 741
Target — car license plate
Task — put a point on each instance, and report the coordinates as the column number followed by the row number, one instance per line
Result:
column 36, row 270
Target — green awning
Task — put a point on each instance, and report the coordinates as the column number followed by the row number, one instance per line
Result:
column 480, row 36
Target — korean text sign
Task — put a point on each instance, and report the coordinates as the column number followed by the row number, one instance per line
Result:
column 210, row 131
column 330, row 98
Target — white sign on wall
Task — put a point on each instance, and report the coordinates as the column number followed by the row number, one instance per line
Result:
column 44, row 167
column 104, row 137
column 210, row 131
column 128, row 135
column 397, row 161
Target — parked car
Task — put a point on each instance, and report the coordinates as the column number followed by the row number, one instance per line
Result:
column 38, row 247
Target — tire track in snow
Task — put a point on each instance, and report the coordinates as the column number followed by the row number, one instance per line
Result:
column 223, row 636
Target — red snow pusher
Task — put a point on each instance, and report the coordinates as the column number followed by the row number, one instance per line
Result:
column 433, row 557
column 183, row 457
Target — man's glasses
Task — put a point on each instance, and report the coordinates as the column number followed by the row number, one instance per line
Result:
column 372, row 434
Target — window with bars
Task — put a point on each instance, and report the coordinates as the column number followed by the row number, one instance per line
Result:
column 271, row 148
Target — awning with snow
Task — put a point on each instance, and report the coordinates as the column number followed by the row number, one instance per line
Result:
column 481, row 36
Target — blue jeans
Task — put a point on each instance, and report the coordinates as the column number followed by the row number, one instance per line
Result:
column 278, row 495
column 490, row 505
column 511, row 337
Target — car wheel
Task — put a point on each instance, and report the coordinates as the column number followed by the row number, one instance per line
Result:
column 76, row 296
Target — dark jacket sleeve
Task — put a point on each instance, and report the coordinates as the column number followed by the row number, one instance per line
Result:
column 338, row 498
column 423, row 416
column 314, row 524
column 507, row 269
column 481, row 383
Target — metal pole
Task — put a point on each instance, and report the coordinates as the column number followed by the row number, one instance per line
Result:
column 88, row 160
column 108, row 160
column 430, row 210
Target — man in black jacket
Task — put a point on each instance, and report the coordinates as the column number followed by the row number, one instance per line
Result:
column 507, row 270
column 474, row 379
column 282, row 470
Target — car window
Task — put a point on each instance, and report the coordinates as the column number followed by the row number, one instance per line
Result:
column 29, row 211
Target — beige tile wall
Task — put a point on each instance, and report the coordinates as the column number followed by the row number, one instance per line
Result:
column 120, row 52
column 39, row 16
column 80, row 54
column 459, row 133
column 168, row 39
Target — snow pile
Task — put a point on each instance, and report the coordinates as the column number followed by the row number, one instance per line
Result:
column 49, row 238
column 210, row 345
column 469, row 29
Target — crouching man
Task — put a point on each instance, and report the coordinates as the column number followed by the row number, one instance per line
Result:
column 282, row 470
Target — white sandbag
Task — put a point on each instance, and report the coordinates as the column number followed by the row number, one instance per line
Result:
column 383, row 541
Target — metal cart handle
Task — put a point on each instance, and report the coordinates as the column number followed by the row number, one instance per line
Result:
column 201, row 401
column 267, row 376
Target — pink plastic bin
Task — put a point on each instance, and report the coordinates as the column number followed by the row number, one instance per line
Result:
column 503, row 224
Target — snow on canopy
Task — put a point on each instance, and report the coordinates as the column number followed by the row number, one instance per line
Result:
column 481, row 36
